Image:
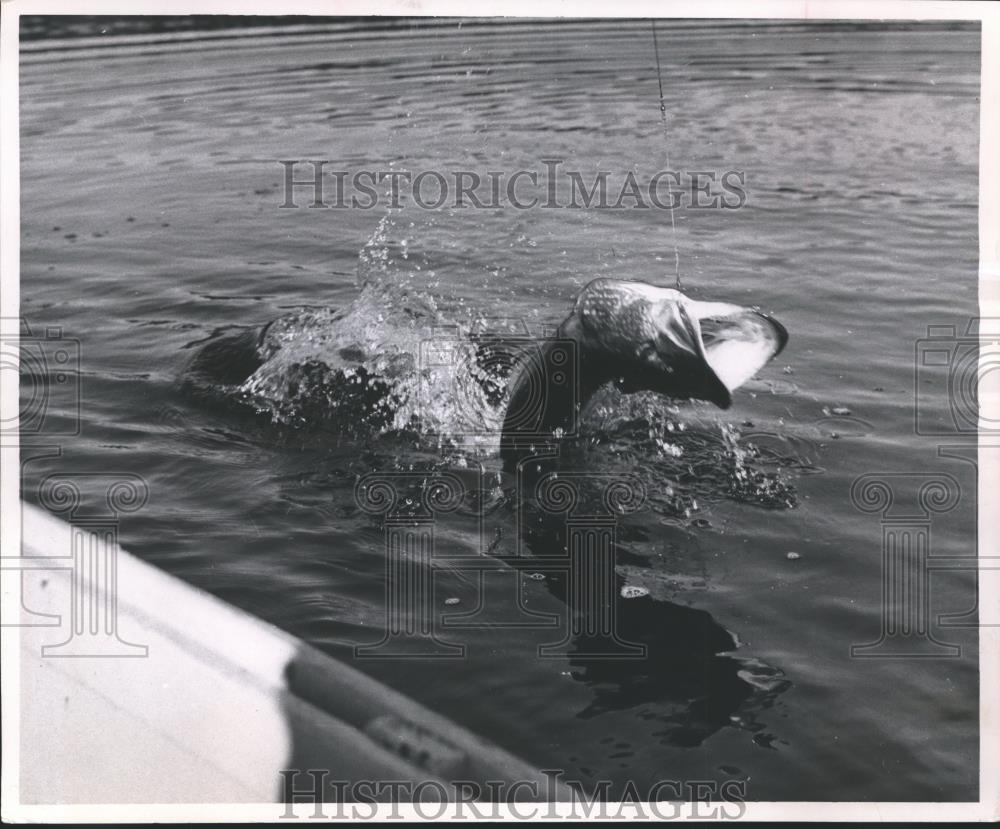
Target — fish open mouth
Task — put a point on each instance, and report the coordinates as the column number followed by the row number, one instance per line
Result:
column 736, row 347
column 710, row 349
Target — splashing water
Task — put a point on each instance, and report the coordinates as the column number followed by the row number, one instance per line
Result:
column 391, row 361
column 386, row 362
column 690, row 464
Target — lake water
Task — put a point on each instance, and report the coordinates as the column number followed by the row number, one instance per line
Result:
column 150, row 193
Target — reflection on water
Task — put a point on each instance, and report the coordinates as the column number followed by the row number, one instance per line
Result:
column 150, row 224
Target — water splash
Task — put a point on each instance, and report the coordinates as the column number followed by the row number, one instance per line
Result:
column 689, row 460
column 388, row 361
column 393, row 361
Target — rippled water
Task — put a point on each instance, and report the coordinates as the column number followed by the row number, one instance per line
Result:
column 150, row 190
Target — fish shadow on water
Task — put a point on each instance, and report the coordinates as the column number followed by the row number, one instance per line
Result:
column 677, row 669
column 682, row 676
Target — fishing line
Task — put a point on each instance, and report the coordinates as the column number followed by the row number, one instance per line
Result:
column 666, row 157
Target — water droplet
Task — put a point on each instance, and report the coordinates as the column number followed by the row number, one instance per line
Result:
column 633, row 591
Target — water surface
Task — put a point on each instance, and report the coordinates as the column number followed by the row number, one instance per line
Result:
column 150, row 189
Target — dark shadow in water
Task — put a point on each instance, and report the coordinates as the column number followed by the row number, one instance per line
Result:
column 686, row 680
column 687, row 683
